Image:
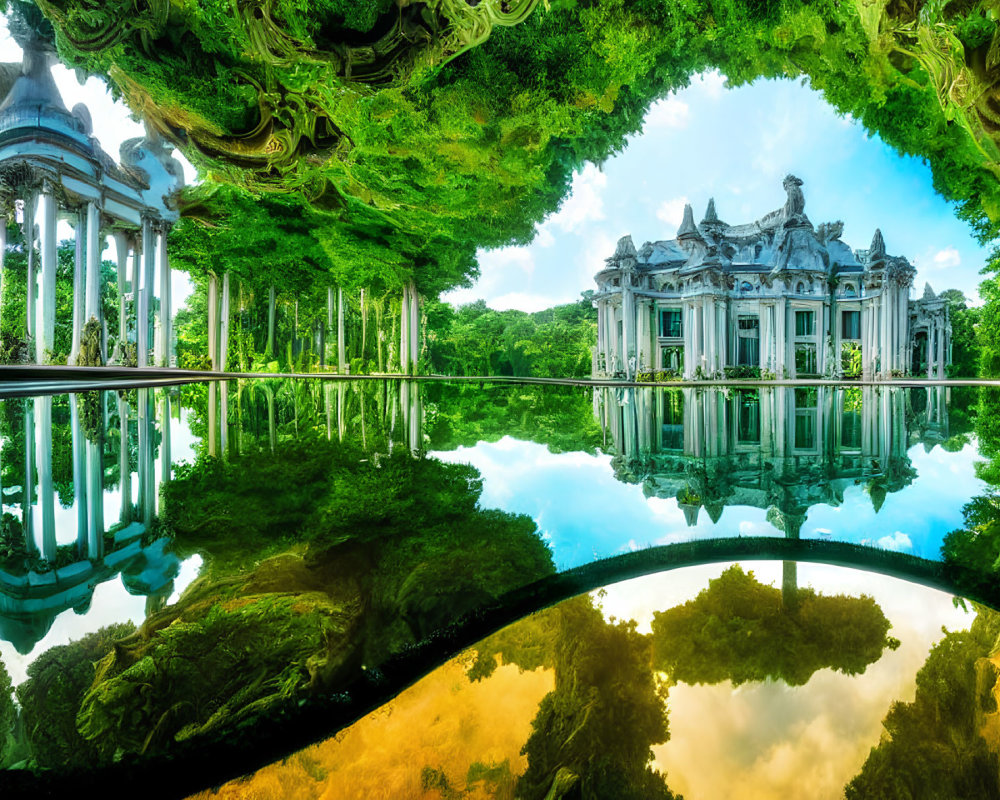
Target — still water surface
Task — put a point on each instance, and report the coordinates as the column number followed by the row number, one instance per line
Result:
column 227, row 572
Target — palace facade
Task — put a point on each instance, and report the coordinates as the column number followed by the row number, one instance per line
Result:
column 775, row 295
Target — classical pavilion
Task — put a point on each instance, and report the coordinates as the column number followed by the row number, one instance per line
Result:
column 776, row 295
column 52, row 168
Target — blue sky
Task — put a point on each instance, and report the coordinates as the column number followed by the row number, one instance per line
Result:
column 735, row 145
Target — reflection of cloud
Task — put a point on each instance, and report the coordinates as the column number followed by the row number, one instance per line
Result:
column 898, row 542
column 760, row 742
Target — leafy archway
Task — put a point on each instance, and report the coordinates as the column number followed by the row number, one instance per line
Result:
column 426, row 130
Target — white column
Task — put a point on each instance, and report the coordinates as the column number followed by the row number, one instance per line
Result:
column 124, row 467
column 79, row 272
column 93, row 300
column 95, row 500
column 224, row 323
column 163, row 265
column 404, row 326
column 121, row 252
column 341, row 344
column 46, row 492
column 414, row 327
column 29, row 240
column 142, row 310
column 47, row 240
column 940, row 348
column 628, row 329
column 213, row 320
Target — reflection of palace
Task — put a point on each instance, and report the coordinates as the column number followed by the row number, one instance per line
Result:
column 774, row 295
column 779, row 449
column 59, row 577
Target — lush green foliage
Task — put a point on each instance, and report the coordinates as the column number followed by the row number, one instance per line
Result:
column 933, row 746
column 741, row 630
column 463, row 414
column 965, row 348
column 594, row 732
column 451, row 141
column 476, row 340
column 50, row 698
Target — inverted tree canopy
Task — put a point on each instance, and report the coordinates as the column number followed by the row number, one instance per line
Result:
column 417, row 132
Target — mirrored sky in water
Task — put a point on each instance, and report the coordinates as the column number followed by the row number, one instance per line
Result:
column 586, row 512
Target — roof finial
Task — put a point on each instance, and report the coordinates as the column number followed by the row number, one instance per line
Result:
column 688, row 228
column 877, row 250
column 710, row 215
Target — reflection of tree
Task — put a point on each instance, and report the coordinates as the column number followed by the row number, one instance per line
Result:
column 50, row 698
column 8, row 716
column 560, row 417
column 592, row 735
column 372, row 556
column 972, row 553
column 934, row 747
column 741, row 630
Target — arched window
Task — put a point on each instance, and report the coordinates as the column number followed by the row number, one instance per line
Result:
column 850, row 291
column 801, row 288
column 746, row 286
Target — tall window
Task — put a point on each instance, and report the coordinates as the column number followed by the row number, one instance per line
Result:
column 748, row 340
column 672, row 432
column 805, row 323
column 670, row 322
column 805, row 418
column 850, row 324
column 748, row 416
column 805, row 359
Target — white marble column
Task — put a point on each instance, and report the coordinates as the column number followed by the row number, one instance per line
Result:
column 79, row 473
column 414, row 328
column 404, row 326
column 940, row 348
column 121, row 253
column 144, row 291
column 79, row 282
column 95, row 500
column 224, row 323
column 628, row 330
column 46, row 490
column 166, row 323
column 341, row 334
column 92, row 309
column 29, row 242
column 45, row 342
column 213, row 320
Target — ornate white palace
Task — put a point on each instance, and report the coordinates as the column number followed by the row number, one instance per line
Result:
column 51, row 168
column 776, row 295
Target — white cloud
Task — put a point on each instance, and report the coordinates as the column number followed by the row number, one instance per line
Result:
column 522, row 301
column 711, row 83
column 672, row 212
column 672, row 112
column 584, row 204
column 949, row 257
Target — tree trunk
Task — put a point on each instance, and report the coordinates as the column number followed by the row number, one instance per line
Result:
column 269, row 352
column 341, row 344
column 224, row 324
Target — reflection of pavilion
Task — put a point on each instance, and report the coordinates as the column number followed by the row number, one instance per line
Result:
column 779, row 449
column 31, row 599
